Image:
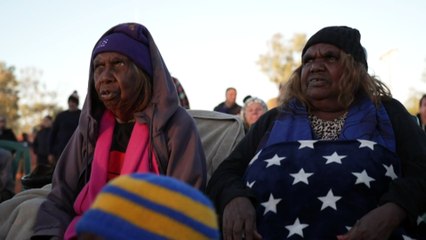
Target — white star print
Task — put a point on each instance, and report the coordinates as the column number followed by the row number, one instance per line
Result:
column 271, row 204
column 329, row 200
column 307, row 143
column 407, row 237
column 250, row 184
column 363, row 178
column 334, row 158
column 301, row 176
column 420, row 219
column 366, row 143
column 390, row 172
column 275, row 160
column 255, row 157
column 296, row 228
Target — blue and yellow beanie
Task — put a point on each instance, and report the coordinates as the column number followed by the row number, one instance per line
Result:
column 148, row 206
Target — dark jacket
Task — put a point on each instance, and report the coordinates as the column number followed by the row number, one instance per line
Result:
column 41, row 142
column 174, row 138
column 62, row 129
column 7, row 134
column 7, row 180
column 234, row 109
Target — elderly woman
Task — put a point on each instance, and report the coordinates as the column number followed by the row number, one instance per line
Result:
column 131, row 122
column 339, row 159
column 252, row 109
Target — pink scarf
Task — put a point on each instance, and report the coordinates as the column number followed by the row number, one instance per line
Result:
column 135, row 160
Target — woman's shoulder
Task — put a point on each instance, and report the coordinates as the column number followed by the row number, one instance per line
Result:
column 390, row 101
column 393, row 106
column 180, row 118
column 267, row 119
column 399, row 115
column 270, row 114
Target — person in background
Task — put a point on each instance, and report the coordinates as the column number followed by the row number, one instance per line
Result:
column 41, row 141
column 6, row 133
column 276, row 101
column 7, row 181
column 139, row 206
column 252, row 109
column 421, row 116
column 229, row 105
column 42, row 173
column 338, row 159
column 25, row 140
column 131, row 122
column 246, row 98
column 63, row 128
column 183, row 98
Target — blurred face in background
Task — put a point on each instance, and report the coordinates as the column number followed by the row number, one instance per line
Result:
column 253, row 111
column 231, row 96
column 422, row 110
column 47, row 122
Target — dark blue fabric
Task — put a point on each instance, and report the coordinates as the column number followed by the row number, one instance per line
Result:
column 356, row 170
column 300, row 201
column 364, row 121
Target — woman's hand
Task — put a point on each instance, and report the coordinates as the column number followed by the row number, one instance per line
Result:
column 377, row 224
column 239, row 220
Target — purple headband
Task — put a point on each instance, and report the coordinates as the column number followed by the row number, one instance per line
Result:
column 137, row 51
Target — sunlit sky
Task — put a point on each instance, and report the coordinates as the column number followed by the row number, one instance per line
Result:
column 209, row 45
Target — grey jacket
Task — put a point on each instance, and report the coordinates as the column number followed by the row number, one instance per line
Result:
column 173, row 137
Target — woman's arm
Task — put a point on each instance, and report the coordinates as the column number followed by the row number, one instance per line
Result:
column 408, row 191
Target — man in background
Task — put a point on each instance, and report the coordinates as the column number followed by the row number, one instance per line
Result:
column 229, row 105
column 63, row 127
column 6, row 133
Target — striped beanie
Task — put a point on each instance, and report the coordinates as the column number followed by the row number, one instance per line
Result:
column 148, row 206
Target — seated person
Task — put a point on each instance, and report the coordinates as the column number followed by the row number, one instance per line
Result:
column 130, row 122
column 252, row 109
column 339, row 159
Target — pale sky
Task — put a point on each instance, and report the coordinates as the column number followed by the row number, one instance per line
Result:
column 209, row 45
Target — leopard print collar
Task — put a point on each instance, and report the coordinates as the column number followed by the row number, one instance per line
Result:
column 327, row 130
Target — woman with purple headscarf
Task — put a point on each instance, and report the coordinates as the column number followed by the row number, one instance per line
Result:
column 131, row 121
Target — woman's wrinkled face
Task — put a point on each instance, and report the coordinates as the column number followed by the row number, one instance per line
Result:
column 253, row 111
column 321, row 72
column 115, row 82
